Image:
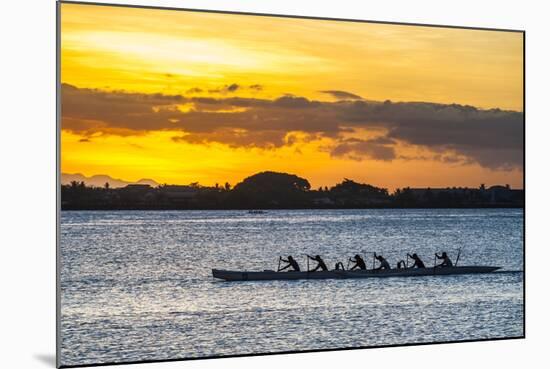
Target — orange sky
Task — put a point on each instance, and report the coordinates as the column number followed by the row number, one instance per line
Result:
column 119, row 57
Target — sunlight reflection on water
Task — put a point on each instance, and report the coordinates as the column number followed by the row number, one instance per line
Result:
column 137, row 285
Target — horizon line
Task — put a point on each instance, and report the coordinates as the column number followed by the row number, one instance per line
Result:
column 222, row 183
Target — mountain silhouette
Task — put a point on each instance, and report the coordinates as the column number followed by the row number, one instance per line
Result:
column 99, row 180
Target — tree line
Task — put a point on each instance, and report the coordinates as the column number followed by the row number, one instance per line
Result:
column 272, row 190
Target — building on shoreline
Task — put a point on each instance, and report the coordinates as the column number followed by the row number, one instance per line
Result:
column 496, row 195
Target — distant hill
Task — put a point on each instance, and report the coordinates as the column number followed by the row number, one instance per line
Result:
column 100, row 180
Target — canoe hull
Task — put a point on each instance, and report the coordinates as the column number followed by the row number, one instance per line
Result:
column 230, row 275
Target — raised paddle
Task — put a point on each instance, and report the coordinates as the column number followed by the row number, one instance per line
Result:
column 279, row 265
column 458, row 256
column 364, row 254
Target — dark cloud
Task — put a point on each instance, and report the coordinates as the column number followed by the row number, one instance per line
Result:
column 447, row 158
column 226, row 89
column 295, row 102
column 380, row 148
column 233, row 87
column 342, row 95
column 492, row 138
column 89, row 110
column 238, row 138
column 194, row 90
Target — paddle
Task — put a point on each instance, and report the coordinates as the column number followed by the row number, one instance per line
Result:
column 458, row 256
column 279, row 265
column 364, row 254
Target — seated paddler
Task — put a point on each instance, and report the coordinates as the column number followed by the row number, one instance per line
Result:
column 383, row 262
column 292, row 265
column 359, row 263
column 446, row 260
column 320, row 263
column 418, row 263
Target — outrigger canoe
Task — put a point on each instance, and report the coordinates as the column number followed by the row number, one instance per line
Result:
column 271, row 275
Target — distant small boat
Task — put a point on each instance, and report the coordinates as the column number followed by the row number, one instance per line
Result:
column 271, row 275
column 257, row 212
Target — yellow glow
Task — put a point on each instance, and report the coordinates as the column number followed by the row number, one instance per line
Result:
column 171, row 52
column 185, row 163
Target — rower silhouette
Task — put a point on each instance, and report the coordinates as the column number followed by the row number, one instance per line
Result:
column 291, row 263
column 320, row 263
column 383, row 262
column 359, row 263
column 446, row 260
column 418, row 263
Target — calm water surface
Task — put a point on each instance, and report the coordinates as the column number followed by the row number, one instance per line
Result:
column 137, row 285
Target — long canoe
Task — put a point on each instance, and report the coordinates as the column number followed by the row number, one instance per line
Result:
column 271, row 275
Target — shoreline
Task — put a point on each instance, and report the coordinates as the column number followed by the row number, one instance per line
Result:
column 287, row 209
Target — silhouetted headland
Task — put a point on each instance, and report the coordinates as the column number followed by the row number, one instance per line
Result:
column 271, row 190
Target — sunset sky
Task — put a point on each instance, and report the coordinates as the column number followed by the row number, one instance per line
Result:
column 181, row 97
